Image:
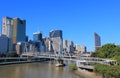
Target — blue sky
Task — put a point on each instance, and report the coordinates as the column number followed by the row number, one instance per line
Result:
column 78, row 19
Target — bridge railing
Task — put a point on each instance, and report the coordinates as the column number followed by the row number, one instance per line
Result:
column 87, row 59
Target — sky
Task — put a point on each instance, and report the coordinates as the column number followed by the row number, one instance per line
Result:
column 78, row 19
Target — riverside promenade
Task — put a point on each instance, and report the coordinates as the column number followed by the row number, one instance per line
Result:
column 17, row 60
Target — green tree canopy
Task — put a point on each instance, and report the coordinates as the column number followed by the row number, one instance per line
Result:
column 111, row 51
column 106, row 51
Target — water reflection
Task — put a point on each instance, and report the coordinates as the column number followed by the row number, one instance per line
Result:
column 35, row 70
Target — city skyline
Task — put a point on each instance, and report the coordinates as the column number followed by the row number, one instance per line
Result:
column 77, row 19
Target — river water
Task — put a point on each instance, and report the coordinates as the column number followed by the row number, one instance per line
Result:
column 35, row 70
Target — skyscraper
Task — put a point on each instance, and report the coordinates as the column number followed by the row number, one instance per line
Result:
column 7, row 29
column 7, row 26
column 37, row 36
column 19, row 30
column 57, row 40
column 97, row 41
column 14, row 29
column 80, row 49
column 56, row 33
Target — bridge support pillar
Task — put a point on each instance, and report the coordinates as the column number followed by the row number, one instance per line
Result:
column 59, row 63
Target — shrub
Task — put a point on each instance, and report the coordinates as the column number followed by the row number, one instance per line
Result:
column 72, row 67
column 108, row 71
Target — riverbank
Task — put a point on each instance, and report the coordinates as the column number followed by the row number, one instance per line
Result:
column 86, row 74
column 18, row 60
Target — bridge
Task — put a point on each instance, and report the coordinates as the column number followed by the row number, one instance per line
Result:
column 81, row 62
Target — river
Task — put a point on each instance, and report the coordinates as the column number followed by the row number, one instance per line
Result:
column 35, row 70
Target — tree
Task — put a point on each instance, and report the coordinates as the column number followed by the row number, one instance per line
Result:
column 106, row 51
column 110, row 51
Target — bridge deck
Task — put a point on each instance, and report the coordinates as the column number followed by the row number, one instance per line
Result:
column 78, row 60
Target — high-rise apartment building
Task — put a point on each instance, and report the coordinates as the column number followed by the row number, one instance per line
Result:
column 97, row 41
column 14, row 29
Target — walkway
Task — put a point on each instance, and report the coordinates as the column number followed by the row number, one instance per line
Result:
column 83, row 62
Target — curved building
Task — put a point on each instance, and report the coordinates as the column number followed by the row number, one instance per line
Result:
column 57, row 40
column 56, row 33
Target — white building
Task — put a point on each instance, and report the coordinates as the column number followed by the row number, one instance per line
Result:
column 48, row 45
column 68, row 46
column 80, row 48
column 57, row 44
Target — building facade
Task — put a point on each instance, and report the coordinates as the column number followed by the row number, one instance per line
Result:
column 19, row 30
column 56, row 40
column 80, row 49
column 15, row 30
column 37, row 36
column 4, row 48
column 68, row 46
column 48, row 45
column 22, row 47
column 18, row 48
column 56, row 33
column 57, row 44
column 97, row 41
column 7, row 29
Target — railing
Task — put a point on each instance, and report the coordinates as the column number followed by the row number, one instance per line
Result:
column 71, row 58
